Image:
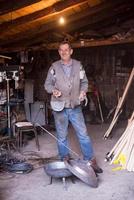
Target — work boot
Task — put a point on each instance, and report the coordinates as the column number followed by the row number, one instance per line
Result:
column 95, row 167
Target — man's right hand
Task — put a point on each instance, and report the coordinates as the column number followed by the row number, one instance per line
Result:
column 56, row 93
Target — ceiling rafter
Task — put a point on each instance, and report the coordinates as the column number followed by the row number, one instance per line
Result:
column 53, row 46
column 32, row 27
column 115, row 24
column 12, row 5
column 102, row 19
column 103, row 42
column 57, row 7
column 74, row 18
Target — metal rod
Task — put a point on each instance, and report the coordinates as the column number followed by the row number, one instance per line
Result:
column 100, row 109
column 8, row 109
column 7, row 57
column 57, row 139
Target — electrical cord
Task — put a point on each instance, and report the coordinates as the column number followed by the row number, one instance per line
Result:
column 20, row 168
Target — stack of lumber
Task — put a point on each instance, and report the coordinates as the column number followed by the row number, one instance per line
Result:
column 119, row 106
column 123, row 151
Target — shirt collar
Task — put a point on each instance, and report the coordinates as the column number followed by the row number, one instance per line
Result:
column 68, row 64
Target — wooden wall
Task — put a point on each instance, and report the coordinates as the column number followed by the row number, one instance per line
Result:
column 110, row 66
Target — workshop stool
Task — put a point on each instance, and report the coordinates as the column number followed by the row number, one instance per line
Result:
column 20, row 129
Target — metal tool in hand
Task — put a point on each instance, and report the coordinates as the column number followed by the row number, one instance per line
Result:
column 84, row 101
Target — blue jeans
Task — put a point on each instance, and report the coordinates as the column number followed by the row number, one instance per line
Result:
column 75, row 116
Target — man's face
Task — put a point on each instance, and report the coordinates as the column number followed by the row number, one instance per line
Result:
column 65, row 52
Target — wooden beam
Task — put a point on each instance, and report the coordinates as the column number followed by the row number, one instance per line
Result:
column 113, row 28
column 37, row 30
column 112, row 20
column 63, row 35
column 94, row 43
column 104, row 16
column 89, row 13
column 57, row 7
column 12, row 5
column 107, row 26
column 35, row 33
column 77, row 44
column 120, row 104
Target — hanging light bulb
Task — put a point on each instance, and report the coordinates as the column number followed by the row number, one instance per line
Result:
column 61, row 21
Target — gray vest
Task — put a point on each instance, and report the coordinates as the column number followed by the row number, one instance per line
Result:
column 69, row 86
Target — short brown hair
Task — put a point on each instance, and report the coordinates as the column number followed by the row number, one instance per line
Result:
column 66, row 42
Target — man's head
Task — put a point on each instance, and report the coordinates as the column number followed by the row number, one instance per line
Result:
column 65, row 51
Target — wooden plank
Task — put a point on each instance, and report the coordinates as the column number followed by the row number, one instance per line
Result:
column 102, row 18
column 123, row 151
column 57, row 7
column 96, row 43
column 53, row 9
column 120, row 104
column 122, row 138
column 53, row 25
column 106, row 23
column 12, row 5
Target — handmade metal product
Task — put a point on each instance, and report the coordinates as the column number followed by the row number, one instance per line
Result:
column 78, row 167
column 83, row 171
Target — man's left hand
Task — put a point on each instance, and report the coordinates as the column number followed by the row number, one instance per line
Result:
column 82, row 96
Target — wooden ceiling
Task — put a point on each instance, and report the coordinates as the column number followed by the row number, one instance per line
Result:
column 34, row 23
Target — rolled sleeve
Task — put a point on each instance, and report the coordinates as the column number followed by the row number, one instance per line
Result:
column 84, row 84
column 49, row 84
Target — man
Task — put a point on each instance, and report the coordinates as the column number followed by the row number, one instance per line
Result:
column 67, row 82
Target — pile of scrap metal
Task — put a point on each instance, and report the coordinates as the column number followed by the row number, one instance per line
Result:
column 123, row 151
